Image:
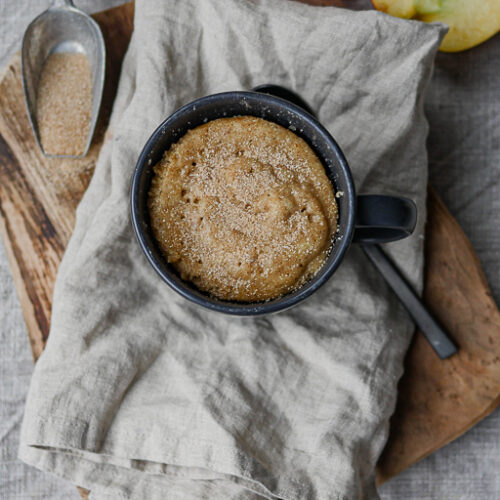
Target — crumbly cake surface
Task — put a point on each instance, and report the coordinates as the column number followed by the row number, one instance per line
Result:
column 242, row 207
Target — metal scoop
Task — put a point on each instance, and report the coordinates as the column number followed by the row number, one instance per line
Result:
column 61, row 29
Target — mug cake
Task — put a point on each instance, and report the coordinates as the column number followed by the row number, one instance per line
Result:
column 242, row 208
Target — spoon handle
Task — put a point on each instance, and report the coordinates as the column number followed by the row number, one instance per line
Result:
column 436, row 336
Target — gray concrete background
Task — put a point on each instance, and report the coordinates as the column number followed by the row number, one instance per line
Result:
column 463, row 108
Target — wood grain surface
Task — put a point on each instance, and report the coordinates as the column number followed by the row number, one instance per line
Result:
column 438, row 400
column 39, row 196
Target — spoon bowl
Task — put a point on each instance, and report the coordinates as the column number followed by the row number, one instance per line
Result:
column 61, row 29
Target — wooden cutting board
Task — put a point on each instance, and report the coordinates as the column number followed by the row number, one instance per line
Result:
column 438, row 400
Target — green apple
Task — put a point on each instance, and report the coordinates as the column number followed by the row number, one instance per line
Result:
column 470, row 22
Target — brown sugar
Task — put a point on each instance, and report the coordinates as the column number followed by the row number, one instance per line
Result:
column 64, row 103
column 242, row 207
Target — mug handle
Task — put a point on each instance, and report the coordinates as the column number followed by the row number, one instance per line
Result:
column 381, row 219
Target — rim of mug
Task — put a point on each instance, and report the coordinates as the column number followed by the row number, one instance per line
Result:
column 167, row 273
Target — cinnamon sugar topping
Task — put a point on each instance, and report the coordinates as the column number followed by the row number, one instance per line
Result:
column 242, row 207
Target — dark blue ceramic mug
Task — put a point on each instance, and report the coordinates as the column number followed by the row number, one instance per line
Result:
column 364, row 218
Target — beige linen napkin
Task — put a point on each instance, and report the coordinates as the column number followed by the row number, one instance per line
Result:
column 140, row 394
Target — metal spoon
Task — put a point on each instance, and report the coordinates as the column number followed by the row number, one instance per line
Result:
column 435, row 335
column 62, row 28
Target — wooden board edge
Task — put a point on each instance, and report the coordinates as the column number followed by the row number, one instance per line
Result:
column 383, row 478
column 36, row 339
column 438, row 204
column 435, row 205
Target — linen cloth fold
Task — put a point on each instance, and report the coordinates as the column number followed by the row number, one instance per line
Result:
column 140, row 394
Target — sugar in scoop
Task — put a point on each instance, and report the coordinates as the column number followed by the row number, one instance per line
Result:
column 64, row 104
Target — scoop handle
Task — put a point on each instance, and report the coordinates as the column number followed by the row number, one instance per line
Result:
column 63, row 3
